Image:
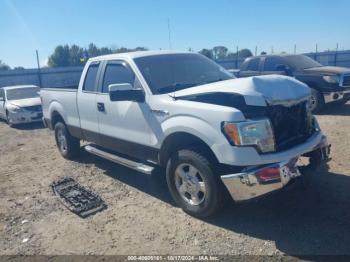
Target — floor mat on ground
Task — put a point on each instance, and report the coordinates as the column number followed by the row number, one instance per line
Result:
column 76, row 198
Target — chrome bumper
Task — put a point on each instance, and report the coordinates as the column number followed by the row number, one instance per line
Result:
column 250, row 183
column 334, row 96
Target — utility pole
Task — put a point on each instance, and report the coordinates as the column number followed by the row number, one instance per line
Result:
column 39, row 70
column 316, row 51
column 169, row 35
column 256, row 50
column 336, row 55
column 295, row 48
column 237, row 57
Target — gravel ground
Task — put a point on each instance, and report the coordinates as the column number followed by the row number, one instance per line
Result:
column 141, row 217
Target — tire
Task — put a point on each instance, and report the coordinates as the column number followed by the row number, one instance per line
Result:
column 68, row 145
column 191, row 173
column 316, row 101
column 8, row 120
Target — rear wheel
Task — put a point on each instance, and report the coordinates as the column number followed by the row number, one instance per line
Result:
column 192, row 183
column 68, row 145
column 316, row 101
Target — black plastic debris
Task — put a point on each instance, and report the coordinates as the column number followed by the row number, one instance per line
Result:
column 76, row 198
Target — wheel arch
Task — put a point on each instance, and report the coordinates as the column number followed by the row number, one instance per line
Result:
column 181, row 140
column 55, row 118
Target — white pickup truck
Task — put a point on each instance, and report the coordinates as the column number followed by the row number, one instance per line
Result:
column 213, row 134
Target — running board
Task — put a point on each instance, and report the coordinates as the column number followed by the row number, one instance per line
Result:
column 146, row 169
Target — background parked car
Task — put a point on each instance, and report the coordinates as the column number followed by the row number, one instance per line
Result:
column 327, row 83
column 20, row 104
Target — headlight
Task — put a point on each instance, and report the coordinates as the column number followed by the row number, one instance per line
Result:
column 251, row 133
column 15, row 109
column 331, row 79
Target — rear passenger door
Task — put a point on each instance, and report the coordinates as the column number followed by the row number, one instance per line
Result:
column 252, row 68
column 86, row 101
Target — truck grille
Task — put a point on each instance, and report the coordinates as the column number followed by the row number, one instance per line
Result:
column 291, row 125
column 34, row 108
column 346, row 80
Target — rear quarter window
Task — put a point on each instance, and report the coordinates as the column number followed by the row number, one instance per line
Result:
column 90, row 78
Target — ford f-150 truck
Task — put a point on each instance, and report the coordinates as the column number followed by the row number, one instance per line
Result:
column 212, row 134
column 328, row 83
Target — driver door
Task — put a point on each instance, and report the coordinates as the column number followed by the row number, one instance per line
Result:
column 123, row 125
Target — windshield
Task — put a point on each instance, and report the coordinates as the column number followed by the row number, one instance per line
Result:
column 302, row 62
column 22, row 93
column 173, row 72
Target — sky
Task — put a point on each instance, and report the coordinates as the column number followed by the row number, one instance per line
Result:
column 29, row 25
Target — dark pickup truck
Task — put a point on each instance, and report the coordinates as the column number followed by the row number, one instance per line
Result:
column 328, row 83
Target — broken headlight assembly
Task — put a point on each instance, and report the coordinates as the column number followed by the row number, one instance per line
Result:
column 15, row 109
column 257, row 133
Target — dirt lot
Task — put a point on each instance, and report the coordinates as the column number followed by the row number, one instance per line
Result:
column 141, row 217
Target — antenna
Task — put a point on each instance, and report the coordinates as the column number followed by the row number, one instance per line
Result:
column 169, row 35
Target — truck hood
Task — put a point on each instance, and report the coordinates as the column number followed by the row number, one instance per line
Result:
column 328, row 70
column 256, row 91
column 26, row 102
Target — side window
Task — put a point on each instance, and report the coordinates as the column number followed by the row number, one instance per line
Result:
column 2, row 93
column 117, row 73
column 90, row 78
column 253, row 64
column 271, row 63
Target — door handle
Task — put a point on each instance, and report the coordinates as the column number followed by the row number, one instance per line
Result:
column 101, row 107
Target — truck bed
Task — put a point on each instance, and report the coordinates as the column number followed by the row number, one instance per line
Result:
column 65, row 101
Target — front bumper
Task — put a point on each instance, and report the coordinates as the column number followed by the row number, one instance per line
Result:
column 25, row 117
column 250, row 184
column 330, row 97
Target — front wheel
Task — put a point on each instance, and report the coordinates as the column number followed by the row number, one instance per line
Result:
column 68, row 145
column 316, row 101
column 192, row 183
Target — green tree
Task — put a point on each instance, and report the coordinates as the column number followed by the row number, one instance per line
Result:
column 92, row 50
column 220, row 52
column 243, row 53
column 60, row 57
column 18, row 68
column 4, row 66
column 76, row 54
column 207, row 52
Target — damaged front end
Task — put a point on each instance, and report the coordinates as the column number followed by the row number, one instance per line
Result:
column 253, row 182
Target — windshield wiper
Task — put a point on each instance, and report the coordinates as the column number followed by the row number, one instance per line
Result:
column 216, row 80
column 175, row 87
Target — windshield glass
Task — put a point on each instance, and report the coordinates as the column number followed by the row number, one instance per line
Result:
column 173, row 72
column 22, row 93
column 302, row 62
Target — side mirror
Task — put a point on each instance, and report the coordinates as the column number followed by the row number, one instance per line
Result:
column 125, row 92
column 284, row 68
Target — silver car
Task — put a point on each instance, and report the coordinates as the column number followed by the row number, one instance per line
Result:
column 20, row 104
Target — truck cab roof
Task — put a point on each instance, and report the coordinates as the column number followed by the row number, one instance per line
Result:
column 132, row 55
